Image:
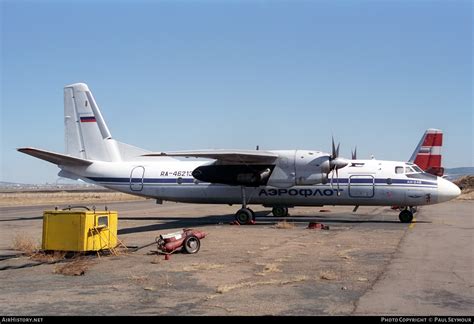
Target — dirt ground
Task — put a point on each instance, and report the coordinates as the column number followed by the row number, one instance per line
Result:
column 262, row 269
column 62, row 198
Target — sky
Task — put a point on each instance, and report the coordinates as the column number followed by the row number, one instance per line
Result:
column 179, row 75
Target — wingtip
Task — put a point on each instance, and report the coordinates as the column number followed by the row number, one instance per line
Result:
column 22, row 149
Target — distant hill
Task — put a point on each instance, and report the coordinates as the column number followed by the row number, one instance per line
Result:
column 12, row 184
column 455, row 173
column 77, row 186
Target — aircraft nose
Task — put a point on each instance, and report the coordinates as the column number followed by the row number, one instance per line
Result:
column 447, row 190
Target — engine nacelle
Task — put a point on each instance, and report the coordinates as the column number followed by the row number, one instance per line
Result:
column 312, row 179
column 300, row 167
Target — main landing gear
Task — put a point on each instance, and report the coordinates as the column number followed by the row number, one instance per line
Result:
column 244, row 215
column 280, row 211
column 406, row 215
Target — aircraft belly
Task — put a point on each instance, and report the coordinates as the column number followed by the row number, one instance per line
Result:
column 295, row 196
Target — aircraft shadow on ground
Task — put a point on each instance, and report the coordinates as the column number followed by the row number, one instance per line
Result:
column 21, row 219
column 261, row 219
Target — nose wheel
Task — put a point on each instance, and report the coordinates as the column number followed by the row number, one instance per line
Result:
column 405, row 216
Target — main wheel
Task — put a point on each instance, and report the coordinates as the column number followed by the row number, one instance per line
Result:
column 406, row 216
column 191, row 244
column 280, row 211
column 244, row 216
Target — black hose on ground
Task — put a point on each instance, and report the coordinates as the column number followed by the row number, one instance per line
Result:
column 29, row 265
column 135, row 249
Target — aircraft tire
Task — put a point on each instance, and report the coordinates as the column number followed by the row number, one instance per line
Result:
column 244, row 216
column 280, row 211
column 406, row 216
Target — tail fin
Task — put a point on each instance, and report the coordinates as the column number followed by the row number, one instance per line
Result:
column 86, row 134
column 427, row 154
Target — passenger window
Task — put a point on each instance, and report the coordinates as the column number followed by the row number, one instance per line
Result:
column 398, row 169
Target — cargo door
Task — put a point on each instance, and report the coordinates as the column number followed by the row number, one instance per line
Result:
column 136, row 178
column 361, row 186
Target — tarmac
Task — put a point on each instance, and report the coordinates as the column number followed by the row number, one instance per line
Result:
column 367, row 263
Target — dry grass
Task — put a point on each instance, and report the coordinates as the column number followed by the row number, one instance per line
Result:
column 328, row 275
column 467, row 194
column 74, row 268
column 23, row 243
column 344, row 254
column 466, row 184
column 138, row 279
column 226, row 288
column 284, row 225
column 149, row 288
column 268, row 268
column 49, row 257
column 64, row 197
column 203, row 266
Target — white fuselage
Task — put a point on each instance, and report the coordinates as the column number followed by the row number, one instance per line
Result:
column 362, row 182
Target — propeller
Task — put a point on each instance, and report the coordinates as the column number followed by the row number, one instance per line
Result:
column 354, row 154
column 336, row 163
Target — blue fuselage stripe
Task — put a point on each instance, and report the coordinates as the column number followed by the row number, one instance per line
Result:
column 367, row 181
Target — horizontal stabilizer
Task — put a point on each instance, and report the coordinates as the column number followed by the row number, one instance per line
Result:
column 56, row 158
column 234, row 156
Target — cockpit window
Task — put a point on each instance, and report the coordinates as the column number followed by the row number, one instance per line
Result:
column 409, row 170
column 398, row 169
column 417, row 168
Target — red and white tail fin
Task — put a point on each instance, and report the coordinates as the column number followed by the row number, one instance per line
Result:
column 427, row 154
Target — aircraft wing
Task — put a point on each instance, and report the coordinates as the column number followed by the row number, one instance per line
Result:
column 56, row 158
column 233, row 156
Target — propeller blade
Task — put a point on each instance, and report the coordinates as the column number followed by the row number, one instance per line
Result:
column 337, row 150
column 354, row 154
column 337, row 178
column 333, row 155
column 332, row 178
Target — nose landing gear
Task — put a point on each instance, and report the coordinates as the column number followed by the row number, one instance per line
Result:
column 406, row 216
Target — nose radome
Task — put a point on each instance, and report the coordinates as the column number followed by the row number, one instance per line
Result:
column 447, row 190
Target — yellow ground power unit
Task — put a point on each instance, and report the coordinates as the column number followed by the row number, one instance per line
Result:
column 79, row 230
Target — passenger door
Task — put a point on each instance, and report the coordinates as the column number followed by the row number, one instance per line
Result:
column 361, row 186
column 136, row 178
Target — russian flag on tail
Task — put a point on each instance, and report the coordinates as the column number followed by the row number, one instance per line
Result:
column 88, row 119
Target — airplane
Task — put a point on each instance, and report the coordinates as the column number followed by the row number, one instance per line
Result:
column 278, row 179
